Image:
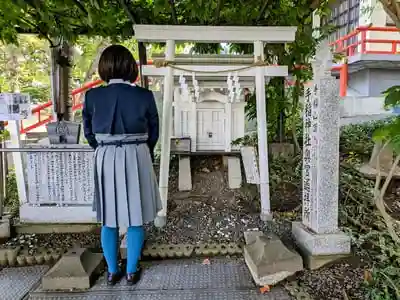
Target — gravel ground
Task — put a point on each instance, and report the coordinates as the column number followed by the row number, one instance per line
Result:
column 34, row 242
column 340, row 281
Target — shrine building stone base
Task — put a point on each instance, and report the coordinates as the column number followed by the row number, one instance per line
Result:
column 76, row 270
column 320, row 249
column 185, row 174
column 268, row 259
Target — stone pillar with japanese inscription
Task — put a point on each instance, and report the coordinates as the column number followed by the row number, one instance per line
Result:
column 318, row 235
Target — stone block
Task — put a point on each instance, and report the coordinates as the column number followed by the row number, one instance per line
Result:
column 185, row 174
column 370, row 172
column 122, row 248
column 8, row 256
column 160, row 221
column 225, row 161
column 386, row 159
column 281, row 149
column 251, row 236
column 234, row 172
column 337, row 243
column 5, row 230
column 269, row 261
column 314, row 262
column 63, row 132
column 74, row 271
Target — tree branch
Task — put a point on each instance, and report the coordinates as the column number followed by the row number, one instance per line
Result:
column 391, row 11
column 262, row 11
column 81, row 7
column 41, row 32
column 128, row 11
column 173, row 11
column 218, row 11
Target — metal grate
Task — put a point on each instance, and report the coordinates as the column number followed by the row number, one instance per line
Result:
column 15, row 283
column 176, row 280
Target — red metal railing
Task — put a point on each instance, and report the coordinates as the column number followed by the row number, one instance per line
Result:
column 357, row 42
column 361, row 43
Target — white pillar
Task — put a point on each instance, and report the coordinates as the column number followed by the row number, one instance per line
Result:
column 262, row 134
column 166, row 134
column 14, row 128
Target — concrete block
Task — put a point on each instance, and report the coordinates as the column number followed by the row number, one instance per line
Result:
column 225, row 161
column 5, row 230
column 234, row 172
column 337, row 243
column 314, row 262
column 251, row 236
column 122, row 247
column 318, row 250
column 74, row 271
column 281, row 149
column 185, row 174
column 269, row 261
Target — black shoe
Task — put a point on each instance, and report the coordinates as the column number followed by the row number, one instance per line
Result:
column 113, row 278
column 133, row 278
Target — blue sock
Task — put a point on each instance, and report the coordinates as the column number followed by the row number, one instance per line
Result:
column 109, row 243
column 135, row 240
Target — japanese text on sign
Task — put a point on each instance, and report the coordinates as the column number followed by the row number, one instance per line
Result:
column 310, row 142
column 250, row 165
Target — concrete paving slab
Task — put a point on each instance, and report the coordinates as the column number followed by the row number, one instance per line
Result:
column 75, row 270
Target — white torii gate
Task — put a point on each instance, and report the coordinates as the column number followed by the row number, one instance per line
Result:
column 215, row 34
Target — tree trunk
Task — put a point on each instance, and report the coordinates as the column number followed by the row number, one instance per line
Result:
column 144, row 82
column 64, row 105
column 392, row 8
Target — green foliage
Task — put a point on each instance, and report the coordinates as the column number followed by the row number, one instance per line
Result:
column 4, row 135
column 357, row 139
column 12, row 199
column 25, row 68
column 283, row 102
column 389, row 132
column 106, row 18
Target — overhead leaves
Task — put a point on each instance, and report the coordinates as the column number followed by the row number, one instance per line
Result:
column 107, row 18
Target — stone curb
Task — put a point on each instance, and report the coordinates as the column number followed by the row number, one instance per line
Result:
column 217, row 249
column 168, row 251
column 17, row 257
column 187, row 250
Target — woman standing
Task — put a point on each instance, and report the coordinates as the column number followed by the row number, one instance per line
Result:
column 121, row 123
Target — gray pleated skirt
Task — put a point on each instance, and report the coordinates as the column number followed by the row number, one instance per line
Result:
column 126, row 190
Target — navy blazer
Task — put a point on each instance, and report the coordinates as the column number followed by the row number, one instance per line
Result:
column 120, row 108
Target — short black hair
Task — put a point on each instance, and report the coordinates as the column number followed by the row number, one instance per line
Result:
column 117, row 62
